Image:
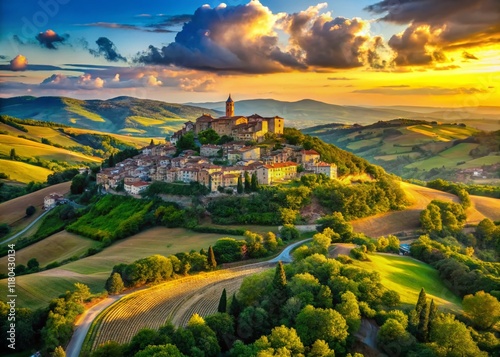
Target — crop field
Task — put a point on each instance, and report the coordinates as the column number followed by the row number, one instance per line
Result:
column 27, row 148
column 399, row 221
column 448, row 158
column 94, row 270
column 413, row 155
column 485, row 160
column 15, row 209
column 408, row 276
column 58, row 247
column 174, row 301
column 443, row 132
column 489, row 207
column 22, row 172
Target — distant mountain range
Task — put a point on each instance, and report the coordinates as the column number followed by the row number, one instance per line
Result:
column 307, row 112
column 144, row 117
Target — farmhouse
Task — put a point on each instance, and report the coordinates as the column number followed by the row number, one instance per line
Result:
column 52, row 200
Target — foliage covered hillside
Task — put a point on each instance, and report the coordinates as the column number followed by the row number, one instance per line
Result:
column 417, row 149
column 125, row 115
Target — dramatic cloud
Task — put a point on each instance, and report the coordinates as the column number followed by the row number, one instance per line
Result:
column 468, row 56
column 61, row 81
column 328, row 42
column 18, row 63
column 439, row 26
column 107, row 49
column 431, row 90
column 49, row 38
column 238, row 38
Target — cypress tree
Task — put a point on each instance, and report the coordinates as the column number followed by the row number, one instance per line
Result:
column 222, row 302
column 235, row 307
column 433, row 311
column 248, row 188
column 239, row 188
column 421, row 302
column 13, row 154
column 111, row 161
column 255, row 183
column 279, row 294
column 423, row 324
column 212, row 263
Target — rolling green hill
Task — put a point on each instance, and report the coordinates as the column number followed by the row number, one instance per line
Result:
column 121, row 115
column 416, row 148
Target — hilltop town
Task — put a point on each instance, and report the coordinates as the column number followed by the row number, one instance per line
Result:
column 219, row 166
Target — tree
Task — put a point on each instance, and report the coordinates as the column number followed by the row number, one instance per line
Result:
column 320, row 349
column 239, row 187
column 30, row 211
column 433, row 313
column 58, row 352
column 339, row 225
column 321, row 324
column 254, row 183
column 186, row 142
column 482, row 309
column 108, row 349
column 111, row 161
column 279, row 293
column 33, row 264
column 114, row 284
column 223, row 326
column 452, row 338
column 4, row 229
column 81, row 293
column 284, row 337
column 211, row 262
column 208, row 136
column 423, row 324
column 421, row 302
column 248, row 184
column 222, row 302
column 270, row 241
column 13, row 155
column 289, row 232
column 393, row 334
column 485, row 231
column 349, row 309
column 152, row 142
column 78, row 184
column 235, row 307
column 159, row 351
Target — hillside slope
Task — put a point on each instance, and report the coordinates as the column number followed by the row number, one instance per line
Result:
column 416, row 148
column 123, row 115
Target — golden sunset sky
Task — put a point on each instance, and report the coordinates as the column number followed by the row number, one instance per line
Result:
column 377, row 53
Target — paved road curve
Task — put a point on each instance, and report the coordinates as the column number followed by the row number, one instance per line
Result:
column 83, row 325
column 85, row 321
column 25, row 229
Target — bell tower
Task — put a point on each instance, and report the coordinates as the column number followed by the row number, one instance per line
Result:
column 229, row 107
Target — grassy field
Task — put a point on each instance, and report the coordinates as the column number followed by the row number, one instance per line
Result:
column 15, row 210
column 485, row 160
column 36, row 290
column 60, row 246
column 22, row 172
column 27, row 148
column 448, row 158
column 138, row 142
column 408, row 276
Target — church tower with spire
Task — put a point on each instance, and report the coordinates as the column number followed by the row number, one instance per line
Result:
column 229, row 107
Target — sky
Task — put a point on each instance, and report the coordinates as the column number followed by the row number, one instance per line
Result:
column 363, row 52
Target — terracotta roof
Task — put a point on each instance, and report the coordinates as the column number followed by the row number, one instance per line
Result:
column 281, row 164
column 309, row 152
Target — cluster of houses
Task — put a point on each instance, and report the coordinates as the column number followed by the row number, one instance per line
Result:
column 246, row 128
column 157, row 163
